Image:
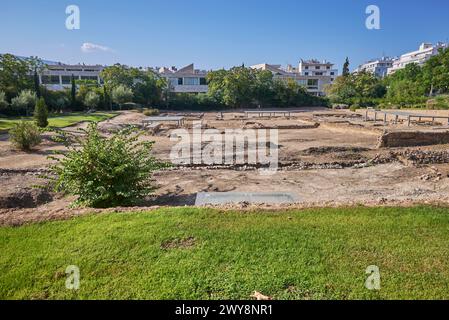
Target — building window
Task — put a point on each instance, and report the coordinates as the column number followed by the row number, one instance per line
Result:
column 191, row 81
column 203, row 81
column 66, row 79
column 50, row 79
column 332, row 73
column 328, row 67
column 180, row 82
column 306, row 73
column 318, row 73
column 173, row 82
column 45, row 79
column 93, row 78
column 307, row 68
column 317, row 67
column 312, row 83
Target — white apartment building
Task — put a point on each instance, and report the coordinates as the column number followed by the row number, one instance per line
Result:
column 378, row 67
column 312, row 74
column 59, row 76
column 424, row 53
column 185, row 80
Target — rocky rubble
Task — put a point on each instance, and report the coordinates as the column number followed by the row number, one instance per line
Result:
column 28, row 172
column 425, row 156
column 407, row 157
column 25, row 198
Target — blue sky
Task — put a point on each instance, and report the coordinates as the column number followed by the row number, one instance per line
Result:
column 219, row 33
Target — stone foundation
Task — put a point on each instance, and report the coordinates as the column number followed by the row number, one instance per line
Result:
column 412, row 138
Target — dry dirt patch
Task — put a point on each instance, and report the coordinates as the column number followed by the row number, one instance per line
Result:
column 184, row 243
column 324, row 166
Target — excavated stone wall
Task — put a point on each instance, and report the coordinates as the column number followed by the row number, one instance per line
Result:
column 412, row 138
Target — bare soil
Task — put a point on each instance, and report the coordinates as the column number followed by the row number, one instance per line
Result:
column 326, row 157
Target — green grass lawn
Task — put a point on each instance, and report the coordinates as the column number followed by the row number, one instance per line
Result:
column 61, row 121
column 308, row 254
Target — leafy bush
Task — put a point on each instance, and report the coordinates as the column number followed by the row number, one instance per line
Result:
column 150, row 112
column 25, row 135
column 105, row 171
column 61, row 103
column 41, row 113
column 354, row 107
column 438, row 103
column 92, row 100
column 131, row 106
column 122, row 94
column 56, row 101
column 24, row 101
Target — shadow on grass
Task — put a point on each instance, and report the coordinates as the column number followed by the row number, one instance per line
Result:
column 174, row 200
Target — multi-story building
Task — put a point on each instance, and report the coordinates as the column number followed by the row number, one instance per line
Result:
column 378, row 67
column 424, row 53
column 185, row 80
column 312, row 74
column 59, row 76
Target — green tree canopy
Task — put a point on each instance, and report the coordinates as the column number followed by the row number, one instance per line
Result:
column 147, row 87
column 122, row 94
column 14, row 75
column 360, row 86
column 25, row 100
column 92, row 100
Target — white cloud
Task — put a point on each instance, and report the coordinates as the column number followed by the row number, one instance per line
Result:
column 88, row 47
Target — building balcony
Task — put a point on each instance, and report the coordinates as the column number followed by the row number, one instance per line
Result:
column 191, row 88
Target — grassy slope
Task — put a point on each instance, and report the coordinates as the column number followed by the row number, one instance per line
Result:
column 60, row 121
column 316, row 254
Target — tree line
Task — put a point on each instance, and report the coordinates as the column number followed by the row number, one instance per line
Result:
column 425, row 86
column 127, row 87
column 20, row 89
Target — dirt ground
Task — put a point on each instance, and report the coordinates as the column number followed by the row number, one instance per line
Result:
column 326, row 157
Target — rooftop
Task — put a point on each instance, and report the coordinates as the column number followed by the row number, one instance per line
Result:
column 316, row 61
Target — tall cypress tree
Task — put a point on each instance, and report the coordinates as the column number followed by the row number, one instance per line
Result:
column 106, row 98
column 41, row 113
column 346, row 67
column 73, row 92
column 37, row 87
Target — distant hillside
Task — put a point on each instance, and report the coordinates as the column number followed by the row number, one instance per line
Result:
column 48, row 62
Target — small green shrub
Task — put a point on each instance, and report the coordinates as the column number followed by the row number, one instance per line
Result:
column 354, row 107
column 41, row 113
column 25, row 135
column 150, row 112
column 121, row 95
column 105, row 171
column 431, row 104
column 24, row 101
column 438, row 103
column 92, row 100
